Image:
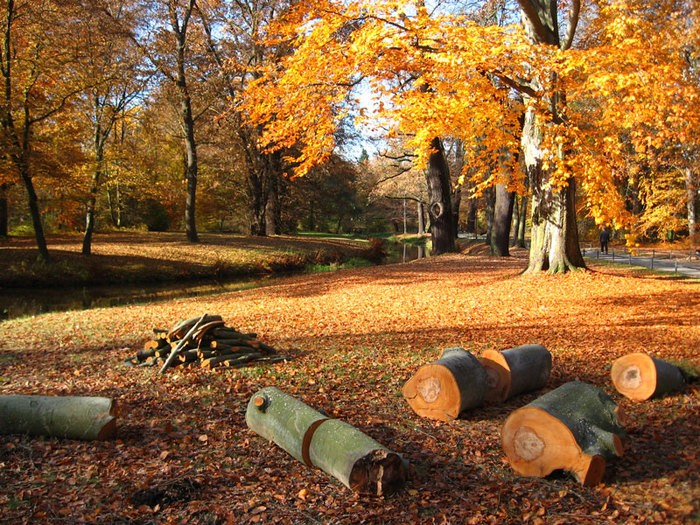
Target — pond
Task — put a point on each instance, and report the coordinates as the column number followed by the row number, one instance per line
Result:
column 23, row 302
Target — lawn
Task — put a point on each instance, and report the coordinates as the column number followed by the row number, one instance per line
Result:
column 355, row 337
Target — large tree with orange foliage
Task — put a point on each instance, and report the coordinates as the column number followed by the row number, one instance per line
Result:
column 438, row 74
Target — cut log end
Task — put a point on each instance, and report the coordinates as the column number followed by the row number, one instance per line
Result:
column 109, row 430
column 639, row 376
column 379, row 473
column 497, row 376
column 433, row 392
column 537, row 444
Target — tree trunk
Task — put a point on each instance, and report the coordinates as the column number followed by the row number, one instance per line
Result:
column 94, row 188
column 358, row 461
column 273, row 210
column 515, row 371
column 490, row 204
column 691, row 185
column 502, row 218
column 516, row 221
column 440, row 208
column 421, row 218
column 4, row 211
column 444, row 388
column 574, row 428
column 33, row 202
column 639, row 376
column 523, row 222
column 471, row 216
column 72, row 417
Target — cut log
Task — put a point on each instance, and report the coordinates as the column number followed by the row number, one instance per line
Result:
column 72, row 417
column 205, row 328
column 444, row 388
column 639, row 376
column 573, row 428
column 181, row 344
column 515, row 371
column 230, row 359
column 339, row 449
column 180, row 329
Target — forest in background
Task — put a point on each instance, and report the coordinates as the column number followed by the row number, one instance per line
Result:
column 201, row 115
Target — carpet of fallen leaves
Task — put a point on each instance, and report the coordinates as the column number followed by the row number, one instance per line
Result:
column 183, row 453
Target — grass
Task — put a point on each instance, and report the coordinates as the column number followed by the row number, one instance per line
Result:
column 119, row 258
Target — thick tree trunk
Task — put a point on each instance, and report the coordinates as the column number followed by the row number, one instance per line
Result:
column 515, row 371
column 444, row 388
column 358, row 461
column 639, row 376
column 87, row 418
column 516, row 221
column 490, row 205
column 574, row 428
column 440, row 208
column 502, row 218
column 33, row 202
column 523, row 222
column 273, row 210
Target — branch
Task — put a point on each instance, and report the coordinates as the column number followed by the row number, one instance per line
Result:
column 573, row 23
column 530, row 12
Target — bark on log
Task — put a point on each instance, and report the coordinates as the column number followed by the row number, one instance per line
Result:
column 515, row 371
column 639, row 376
column 339, row 449
column 180, row 329
column 72, row 417
column 574, row 428
column 444, row 388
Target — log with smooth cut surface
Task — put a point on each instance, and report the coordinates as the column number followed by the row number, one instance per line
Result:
column 339, row 449
column 444, row 388
column 72, row 417
column 639, row 376
column 515, row 371
column 574, row 428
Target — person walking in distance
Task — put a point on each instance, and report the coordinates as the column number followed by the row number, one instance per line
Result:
column 604, row 239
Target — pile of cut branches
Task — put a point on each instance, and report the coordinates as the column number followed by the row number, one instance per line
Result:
column 204, row 341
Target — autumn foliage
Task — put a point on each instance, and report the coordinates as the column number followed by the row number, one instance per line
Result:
column 183, row 452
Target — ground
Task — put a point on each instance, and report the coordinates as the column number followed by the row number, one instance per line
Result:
column 184, row 454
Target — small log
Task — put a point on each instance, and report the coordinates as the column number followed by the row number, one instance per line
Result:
column 151, row 344
column 205, row 329
column 226, row 332
column 183, row 342
column 230, row 359
column 180, row 329
column 72, row 417
column 515, row 371
column 574, row 427
column 234, row 342
column 444, row 388
column 142, row 355
column 639, row 376
column 339, row 449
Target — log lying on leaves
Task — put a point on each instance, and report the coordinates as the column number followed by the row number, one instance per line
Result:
column 339, row 449
column 444, row 388
column 639, row 376
column 574, row 427
column 204, row 341
column 515, row 371
column 72, row 417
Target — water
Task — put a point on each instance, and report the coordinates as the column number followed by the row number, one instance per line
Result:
column 23, row 302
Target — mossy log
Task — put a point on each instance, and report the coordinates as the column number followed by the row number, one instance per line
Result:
column 444, row 388
column 339, row 449
column 72, row 417
column 639, row 376
column 574, row 428
column 515, row 371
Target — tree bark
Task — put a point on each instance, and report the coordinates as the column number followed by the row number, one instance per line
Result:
column 502, row 219
column 574, row 428
column 639, row 376
column 444, row 388
column 515, row 371
column 358, row 461
column 421, row 218
column 71, row 417
column 691, row 186
column 490, row 205
column 523, row 222
column 516, row 221
column 440, row 208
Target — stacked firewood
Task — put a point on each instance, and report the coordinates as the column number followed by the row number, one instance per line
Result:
column 204, row 341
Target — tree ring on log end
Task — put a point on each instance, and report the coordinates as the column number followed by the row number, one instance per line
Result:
column 527, row 444
column 436, row 209
column 429, row 389
column 634, row 376
column 378, row 473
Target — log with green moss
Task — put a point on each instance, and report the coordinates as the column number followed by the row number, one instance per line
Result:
column 573, row 428
column 72, row 417
column 339, row 449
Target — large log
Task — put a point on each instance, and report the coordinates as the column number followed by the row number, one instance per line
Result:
column 444, row 388
column 72, row 417
column 515, row 371
column 574, row 427
column 639, row 376
column 339, row 449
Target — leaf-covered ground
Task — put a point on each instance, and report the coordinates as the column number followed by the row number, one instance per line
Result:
column 185, row 455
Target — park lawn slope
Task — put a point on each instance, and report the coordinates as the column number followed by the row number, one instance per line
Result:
column 355, row 337
column 132, row 257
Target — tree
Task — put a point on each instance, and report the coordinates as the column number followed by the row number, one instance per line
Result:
column 35, row 69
